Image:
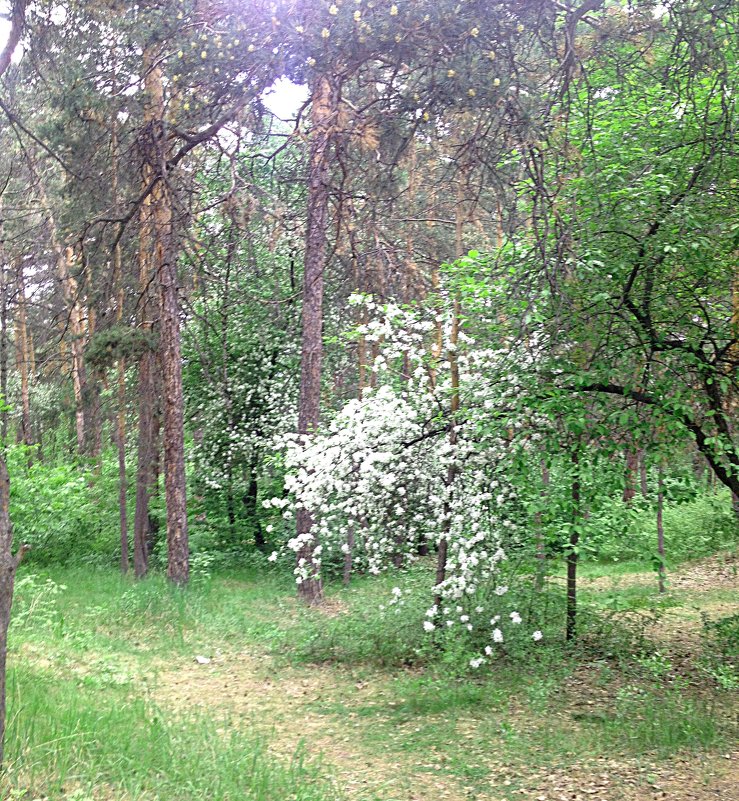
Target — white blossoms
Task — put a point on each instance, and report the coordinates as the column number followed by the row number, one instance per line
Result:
column 375, row 479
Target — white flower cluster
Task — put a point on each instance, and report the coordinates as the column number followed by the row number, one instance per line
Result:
column 394, row 470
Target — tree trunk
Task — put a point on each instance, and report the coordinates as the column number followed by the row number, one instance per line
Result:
column 453, row 356
column 147, row 315
column 660, row 530
column 21, row 345
column 348, row 556
column 572, row 553
column 252, row 508
column 643, row 476
column 323, row 113
column 65, row 259
column 4, row 354
column 143, row 469
column 8, row 566
column 632, row 465
column 541, row 551
column 178, row 555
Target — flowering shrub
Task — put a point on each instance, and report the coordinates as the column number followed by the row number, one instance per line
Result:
column 397, row 472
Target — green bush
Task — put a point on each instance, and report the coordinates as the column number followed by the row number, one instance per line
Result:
column 65, row 512
column 694, row 528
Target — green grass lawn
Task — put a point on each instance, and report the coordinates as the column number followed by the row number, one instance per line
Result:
column 107, row 699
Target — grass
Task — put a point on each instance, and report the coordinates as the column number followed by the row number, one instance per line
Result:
column 69, row 740
column 88, row 720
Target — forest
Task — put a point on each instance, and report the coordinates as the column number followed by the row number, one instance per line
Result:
column 369, row 377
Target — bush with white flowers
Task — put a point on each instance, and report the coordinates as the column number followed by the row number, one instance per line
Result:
column 395, row 470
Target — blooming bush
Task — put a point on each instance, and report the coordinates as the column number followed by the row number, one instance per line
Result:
column 398, row 472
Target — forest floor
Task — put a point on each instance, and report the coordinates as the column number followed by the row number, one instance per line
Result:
column 603, row 727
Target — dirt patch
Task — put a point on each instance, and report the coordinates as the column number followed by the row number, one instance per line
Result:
column 717, row 572
column 282, row 705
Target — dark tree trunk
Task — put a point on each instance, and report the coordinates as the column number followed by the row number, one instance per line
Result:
column 660, row 530
column 541, row 551
column 121, row 378
column 572, row 553
column 146, row 447
column 230, row 503
column 252, row 508
column 122, row 483
column 152, row 538
column 8, row 566
column 323, row 113
column 93, row 418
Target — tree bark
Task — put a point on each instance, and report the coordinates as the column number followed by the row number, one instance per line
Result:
column 541, row 551
column 17, row 20
column 121, row 379
column 572, row 553
column 660, row 529
column 165, row 270
column 323, row 114
column 21, row 345
column 65, row 258
column 632, row 465
column 147, row 308
column 4, row 353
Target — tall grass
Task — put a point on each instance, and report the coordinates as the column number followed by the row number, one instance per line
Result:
column 66, row 741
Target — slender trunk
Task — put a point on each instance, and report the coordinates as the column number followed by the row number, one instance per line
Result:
column 572, row 553
column 660, row 530
column 143, row 471
column 541, row 551
column 4, row 354
column 643, row 477
column 323, row 112
column 453, row 469
column 122, row 483
column 152, row 532
column 121, row 382
column 252, row 508
column 21, row 344
column 65, row 260
column 349, row 555
column 8, row 567
column 146, row 322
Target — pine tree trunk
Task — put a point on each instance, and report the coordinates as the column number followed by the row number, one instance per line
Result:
column 4, row 354
column 21, row 345
column 143, row 468
column 323, row 113
column 178, row 554
column 65, row 260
